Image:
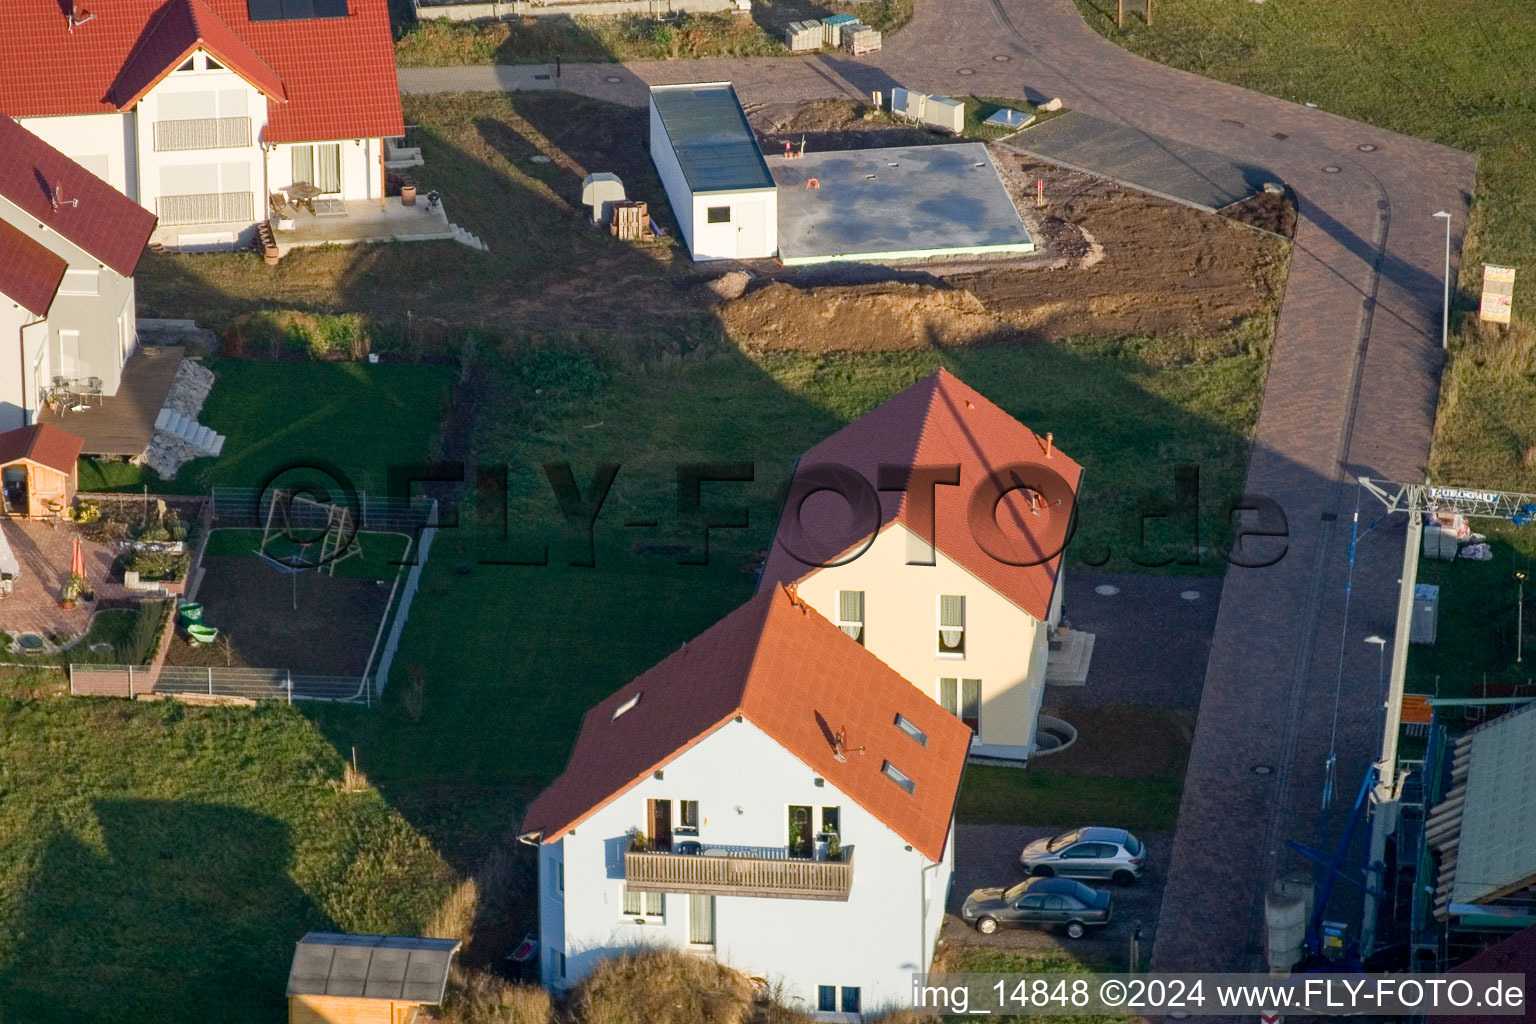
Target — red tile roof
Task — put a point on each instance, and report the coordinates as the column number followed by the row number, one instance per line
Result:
column 940, row 421
column 43, row 444
column 29, row 272
column 799, row 679
column 338, row 74
column 174, row 33
column 92, row 214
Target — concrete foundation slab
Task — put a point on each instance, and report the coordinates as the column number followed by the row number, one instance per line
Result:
column 906, row 202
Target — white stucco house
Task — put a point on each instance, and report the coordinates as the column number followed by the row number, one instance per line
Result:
column 931, row 530
column 69, row 244
column 700, row 804
column 717, row 181
column 200, row 110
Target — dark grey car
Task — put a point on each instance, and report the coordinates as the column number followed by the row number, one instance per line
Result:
column 1047, row 902
column 1109, row 854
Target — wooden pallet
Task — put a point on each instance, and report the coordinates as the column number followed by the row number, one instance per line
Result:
column 631, row 221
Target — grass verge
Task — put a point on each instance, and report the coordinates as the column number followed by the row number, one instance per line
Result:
column 996, row 795
column 157, row 860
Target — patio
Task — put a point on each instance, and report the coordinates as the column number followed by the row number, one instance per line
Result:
column 44, row 551
column 343, row 222
column 122, row 424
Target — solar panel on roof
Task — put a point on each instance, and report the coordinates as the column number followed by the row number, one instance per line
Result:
column 371, row 966
column 294, row 10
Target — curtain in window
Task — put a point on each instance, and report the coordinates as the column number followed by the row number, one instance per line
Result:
column 970, row 703
column 701, row 920
column 947, row 698
column 303, row 165
column 633, row 905
column 328, row 173
column 951, row 620
column 655, row 904
column 850, row 612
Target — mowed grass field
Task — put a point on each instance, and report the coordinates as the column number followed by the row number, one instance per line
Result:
column 159, row 861
column 1454, row 71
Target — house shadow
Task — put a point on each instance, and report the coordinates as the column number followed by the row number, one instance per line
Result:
column 168, row 909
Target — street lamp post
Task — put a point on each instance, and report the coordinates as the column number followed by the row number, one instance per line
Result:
column 1445, row 301
column 1520, row 621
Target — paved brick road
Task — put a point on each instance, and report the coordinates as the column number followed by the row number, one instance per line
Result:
column 1351, row 391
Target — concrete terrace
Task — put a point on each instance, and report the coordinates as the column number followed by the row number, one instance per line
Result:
column 364, row 220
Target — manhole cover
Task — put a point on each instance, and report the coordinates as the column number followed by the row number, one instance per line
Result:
column 966, row 71
column 1106, row 590
column 1332, row 169
column 1262, row 769
column 1002, row 58
column 1190, row 595
column 1366, row 147
column 613, row 79
column 30, row 642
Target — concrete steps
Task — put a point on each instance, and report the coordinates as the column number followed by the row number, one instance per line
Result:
column 468, row 238
column 1068, row 657
column 189, row 430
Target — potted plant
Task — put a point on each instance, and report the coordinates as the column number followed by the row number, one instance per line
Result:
column 834, row 847
column 638, row 842
column 71, row 591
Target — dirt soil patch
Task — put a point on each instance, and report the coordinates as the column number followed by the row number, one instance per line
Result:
column 252, row 604
column 1126, row 742
column 877, row 316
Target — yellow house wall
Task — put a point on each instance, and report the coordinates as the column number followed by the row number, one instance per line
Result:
column 1005, row 646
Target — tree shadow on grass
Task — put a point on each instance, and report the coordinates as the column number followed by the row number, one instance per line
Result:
column 188, row 909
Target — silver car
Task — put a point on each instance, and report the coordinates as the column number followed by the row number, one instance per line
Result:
column 1111, row 854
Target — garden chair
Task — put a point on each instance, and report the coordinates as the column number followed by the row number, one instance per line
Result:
column 202, row 634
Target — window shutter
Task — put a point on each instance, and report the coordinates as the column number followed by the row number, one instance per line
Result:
column 947, row 696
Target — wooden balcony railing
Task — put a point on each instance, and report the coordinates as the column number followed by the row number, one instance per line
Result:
column 740, row 871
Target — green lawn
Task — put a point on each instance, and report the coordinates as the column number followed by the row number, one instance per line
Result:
column 357, row 417
column 158, row 861
column 512, row 656
column 1454, row 71
column 995, row 795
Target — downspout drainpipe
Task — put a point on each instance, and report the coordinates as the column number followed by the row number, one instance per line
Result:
column 923, row 961
column 21, row 340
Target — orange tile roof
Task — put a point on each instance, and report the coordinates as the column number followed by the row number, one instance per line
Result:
column 29, row 272
column 92, row 214
column 337, row 74
column 798, row 678
column 940, row 421
column 173, row 34
column 43, row 444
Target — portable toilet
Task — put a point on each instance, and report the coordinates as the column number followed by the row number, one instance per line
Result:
column 945, row 114
column 804, row 35
column 832, row 27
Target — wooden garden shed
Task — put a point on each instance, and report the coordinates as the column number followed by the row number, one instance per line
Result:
column 38, row 475
column 366, row 979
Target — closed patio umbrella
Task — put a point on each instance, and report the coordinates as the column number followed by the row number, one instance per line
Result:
column 77, row 562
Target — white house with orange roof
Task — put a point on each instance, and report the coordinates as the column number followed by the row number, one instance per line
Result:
column 200, row 110
column 931, row 530
column 771, row 795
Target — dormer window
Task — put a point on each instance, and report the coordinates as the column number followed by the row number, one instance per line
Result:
column 905, row 725
column 895, row 774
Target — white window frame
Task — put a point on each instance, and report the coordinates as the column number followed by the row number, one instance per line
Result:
column 652, row 906
column 860, row 622
column 938, row 618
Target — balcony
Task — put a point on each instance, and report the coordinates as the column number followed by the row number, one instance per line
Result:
column 202, row 133
column 741, row 871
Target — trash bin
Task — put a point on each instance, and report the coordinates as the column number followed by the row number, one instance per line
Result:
column 191, row 613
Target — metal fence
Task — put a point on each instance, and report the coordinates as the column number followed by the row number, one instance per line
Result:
column 250, row 508
column 397, row 626
column 213, row 681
